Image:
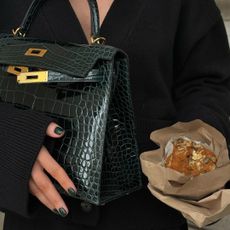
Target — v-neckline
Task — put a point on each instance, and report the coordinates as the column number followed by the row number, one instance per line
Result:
column 103, row 24
column 119, row 23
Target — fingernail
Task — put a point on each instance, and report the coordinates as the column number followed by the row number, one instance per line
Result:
column 62, row 212
column 58, row 130
column 72, row 192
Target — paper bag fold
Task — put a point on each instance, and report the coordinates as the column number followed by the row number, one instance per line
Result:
column 201, row 199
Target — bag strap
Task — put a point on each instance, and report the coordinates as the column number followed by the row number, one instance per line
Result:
column 36, row 5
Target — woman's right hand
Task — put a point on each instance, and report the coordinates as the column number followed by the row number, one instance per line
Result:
column 41, row 186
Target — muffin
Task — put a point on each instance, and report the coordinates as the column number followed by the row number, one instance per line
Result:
column 189, row 157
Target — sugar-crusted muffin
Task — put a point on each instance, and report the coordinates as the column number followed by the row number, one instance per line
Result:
column 189, row 157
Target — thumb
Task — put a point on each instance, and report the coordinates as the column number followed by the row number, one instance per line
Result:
column 54, row 130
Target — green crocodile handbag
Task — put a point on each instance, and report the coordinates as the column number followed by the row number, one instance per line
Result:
column 86, row 89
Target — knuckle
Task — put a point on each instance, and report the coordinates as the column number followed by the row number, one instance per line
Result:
column 44, row 186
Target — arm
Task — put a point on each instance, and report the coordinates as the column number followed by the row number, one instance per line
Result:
column 202, row 67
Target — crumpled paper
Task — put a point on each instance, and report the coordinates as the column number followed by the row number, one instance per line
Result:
column 202, row 199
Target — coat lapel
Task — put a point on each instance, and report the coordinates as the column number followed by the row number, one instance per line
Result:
column 121, row 20
column 65, row 26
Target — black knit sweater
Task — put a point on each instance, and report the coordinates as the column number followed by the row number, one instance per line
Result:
column 180, row 71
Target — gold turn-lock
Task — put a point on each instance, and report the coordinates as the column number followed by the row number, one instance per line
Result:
column 16, row 70
column 32, row 77
column 97, row 40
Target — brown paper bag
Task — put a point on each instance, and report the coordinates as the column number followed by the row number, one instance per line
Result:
column 202, row 212
column 169, row 185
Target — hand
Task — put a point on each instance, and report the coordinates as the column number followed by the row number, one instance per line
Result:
column 41, row 186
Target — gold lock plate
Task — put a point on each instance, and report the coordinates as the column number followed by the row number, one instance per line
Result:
column 36, row 52
column 16, row 70
column 32, row 77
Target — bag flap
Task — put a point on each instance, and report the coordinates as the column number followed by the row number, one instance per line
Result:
column 68, row 58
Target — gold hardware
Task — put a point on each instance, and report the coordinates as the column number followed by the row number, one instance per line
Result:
column 32, row 77
column 36, row 52
column 16, row 70
column 98, row 40
column 18, row 32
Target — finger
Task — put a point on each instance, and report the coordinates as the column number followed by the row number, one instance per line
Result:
column 56, row 171
column 49, row 191
column 54, row 130
column 40, row 196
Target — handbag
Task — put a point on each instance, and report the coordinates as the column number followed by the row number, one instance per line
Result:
column 86, row 88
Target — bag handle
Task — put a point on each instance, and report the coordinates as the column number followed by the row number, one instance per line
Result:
column 35, row 6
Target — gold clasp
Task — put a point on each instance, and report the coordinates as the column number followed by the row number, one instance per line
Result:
column 16, row 70
column 32, row 77
column 36, row 52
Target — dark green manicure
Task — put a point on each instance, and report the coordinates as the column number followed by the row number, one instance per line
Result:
column 59, row 130
column 62, row 212
column 72, row 192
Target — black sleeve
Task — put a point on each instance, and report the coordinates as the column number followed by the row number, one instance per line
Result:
column 202, row 66
column 22, row 133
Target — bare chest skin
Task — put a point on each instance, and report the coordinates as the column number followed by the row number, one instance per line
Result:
column 82, row 12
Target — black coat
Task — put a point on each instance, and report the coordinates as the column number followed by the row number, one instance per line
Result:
column 180, row 71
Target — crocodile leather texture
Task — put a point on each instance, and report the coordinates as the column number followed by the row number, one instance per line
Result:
column 99, row 150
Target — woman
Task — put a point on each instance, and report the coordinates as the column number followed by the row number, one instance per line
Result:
column 179, row 63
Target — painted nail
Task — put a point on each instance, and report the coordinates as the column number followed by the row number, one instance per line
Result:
column 72, row 192
column 59, row 130
column 62, row 212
